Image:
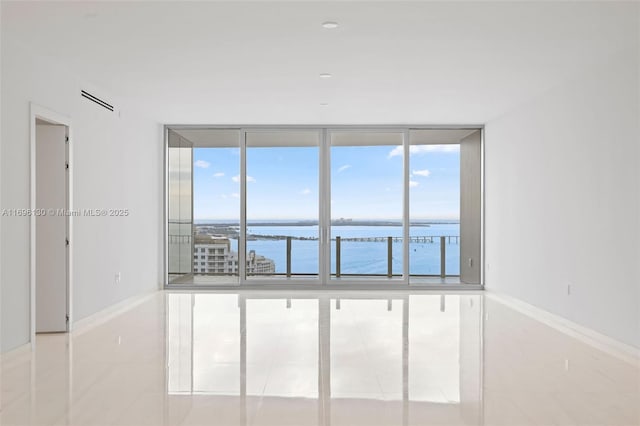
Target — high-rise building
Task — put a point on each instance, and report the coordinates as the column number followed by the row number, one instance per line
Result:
column 213, row 255
column 257, row 264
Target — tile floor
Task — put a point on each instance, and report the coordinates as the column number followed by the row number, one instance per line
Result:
column 370, row 358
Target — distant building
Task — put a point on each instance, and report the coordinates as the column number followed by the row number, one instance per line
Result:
column 213, row 255
column 257, row 264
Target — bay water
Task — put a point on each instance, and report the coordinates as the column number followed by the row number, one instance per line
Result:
column 359, row 257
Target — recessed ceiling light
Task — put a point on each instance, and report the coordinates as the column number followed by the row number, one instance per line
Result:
column 325, row 75
column 330, row 25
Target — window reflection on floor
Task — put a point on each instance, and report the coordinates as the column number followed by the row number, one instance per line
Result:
column 402, row 356
column 298, row 362
column 434, row 349
column 366, row 327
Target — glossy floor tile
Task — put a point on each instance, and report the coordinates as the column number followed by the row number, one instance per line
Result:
column 298, row 358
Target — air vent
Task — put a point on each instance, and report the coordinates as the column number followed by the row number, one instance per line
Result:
column 97, row 100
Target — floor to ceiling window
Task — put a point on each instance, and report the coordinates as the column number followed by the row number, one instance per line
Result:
column 203, row 182
column 282, row 184
column 366, row 205
column 322, row 206
column 434, row 214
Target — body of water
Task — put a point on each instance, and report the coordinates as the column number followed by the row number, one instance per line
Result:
column 358, row 257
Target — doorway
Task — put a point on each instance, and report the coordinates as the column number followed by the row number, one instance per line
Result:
column 50, row 222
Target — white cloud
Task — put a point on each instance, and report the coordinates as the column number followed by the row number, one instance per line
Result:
column 237, row 179
column 235, row 195
column 343, row 168
column 423, row 173
column 305, row 191
column 413, row 184
column 202, row 164
column 397, row 151
column 219, row 174
column 421, row 149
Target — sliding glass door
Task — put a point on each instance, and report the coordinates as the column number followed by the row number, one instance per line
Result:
column 327, row 206
column 366, row 206
column 282, row 211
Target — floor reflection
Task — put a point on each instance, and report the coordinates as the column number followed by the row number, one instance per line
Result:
column 361, row 358
column 396, row 359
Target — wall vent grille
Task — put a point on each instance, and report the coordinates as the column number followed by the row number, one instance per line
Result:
column 97, row 100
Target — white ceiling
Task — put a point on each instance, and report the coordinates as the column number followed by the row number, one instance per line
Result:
column 258, row 63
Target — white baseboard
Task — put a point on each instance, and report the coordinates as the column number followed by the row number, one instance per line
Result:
column 586, row 335
column 87, row 323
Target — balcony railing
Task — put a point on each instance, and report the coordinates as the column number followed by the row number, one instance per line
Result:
column 443, row 240
column 338, row 254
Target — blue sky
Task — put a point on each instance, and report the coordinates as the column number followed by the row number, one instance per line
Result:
column 282, row 182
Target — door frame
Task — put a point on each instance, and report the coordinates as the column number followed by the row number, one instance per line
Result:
column 39, row 112
column 293, row 282
column 383, row 281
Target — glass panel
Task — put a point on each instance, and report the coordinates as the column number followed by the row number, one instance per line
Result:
column 366, row 205
column 180, row 226
column 216, row 207
column 212, row 169
column 434, row 205
column 282, row 204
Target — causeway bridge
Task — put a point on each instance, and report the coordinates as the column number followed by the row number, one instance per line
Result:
column 450, row 239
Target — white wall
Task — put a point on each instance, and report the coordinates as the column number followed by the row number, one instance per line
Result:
column 563, row 200
column 117, row 163
column 1, row 180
